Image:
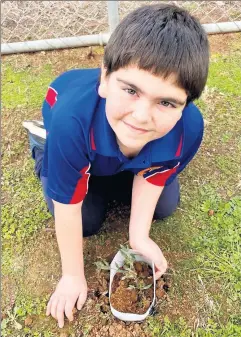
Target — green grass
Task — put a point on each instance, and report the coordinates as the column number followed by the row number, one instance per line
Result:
column 26, row 212
column 218, row 245
column 179, row 328
column 225, row 73
column 24, row 88
column 203, row 247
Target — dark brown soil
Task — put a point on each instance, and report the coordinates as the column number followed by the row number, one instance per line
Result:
column 128, row 300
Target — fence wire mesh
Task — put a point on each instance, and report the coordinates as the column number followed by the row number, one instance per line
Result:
column 205, row 11
column 36, row 20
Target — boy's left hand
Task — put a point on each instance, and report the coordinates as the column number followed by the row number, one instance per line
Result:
column 148, row 248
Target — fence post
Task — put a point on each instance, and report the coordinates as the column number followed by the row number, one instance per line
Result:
column 113, row 14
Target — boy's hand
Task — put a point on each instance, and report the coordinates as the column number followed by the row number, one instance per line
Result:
column 148, row 248
column 68, row 291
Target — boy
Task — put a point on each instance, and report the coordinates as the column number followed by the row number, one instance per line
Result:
column 123, row 132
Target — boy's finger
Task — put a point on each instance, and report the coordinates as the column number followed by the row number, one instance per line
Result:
column 159, row 271
column 48, row 307
column 81, row 300
column 53, row 307
column 69, row 305
column 158, row 274
column 60, row 312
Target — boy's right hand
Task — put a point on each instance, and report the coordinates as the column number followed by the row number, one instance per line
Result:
column 69, row 290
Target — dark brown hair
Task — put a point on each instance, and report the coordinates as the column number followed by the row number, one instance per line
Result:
column 163, row 39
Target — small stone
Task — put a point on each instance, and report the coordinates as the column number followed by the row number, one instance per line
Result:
column 133, row 295
column 119, row 327
column 63, row 334
column 106, row 300
column 144, row 274
column 104, row 283
column 122, row 283
column 138, row 266
column 104, row 308
column 160, row 293
column 160, row 284
column 111, row 331
column 28, row 321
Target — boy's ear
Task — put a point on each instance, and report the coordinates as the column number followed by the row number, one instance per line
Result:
column 102, row 90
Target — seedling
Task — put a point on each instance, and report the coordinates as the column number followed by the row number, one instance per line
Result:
column 102, row 265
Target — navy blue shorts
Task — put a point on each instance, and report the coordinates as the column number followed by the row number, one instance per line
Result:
column 103, row 189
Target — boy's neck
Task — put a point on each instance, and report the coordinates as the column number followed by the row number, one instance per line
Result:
column 129, row 153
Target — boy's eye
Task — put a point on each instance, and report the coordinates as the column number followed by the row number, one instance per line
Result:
column 130, row 91
column 167, row 104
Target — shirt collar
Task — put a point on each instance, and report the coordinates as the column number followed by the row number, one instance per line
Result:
column 104, row 136
column 170, row 147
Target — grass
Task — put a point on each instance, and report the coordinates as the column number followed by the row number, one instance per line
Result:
column 179, row 328
column 201, row 240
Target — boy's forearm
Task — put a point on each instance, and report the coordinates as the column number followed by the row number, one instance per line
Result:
column 69, row 232
column 144, row 200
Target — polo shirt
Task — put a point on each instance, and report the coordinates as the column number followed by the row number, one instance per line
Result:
column 80, row 142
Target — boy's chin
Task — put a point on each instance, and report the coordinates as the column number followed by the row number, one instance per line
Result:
column 131, row 144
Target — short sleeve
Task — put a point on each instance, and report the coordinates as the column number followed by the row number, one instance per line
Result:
column 163, row 175
column 68, row 164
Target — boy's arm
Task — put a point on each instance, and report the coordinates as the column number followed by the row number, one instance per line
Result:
column 72, row 286
column 69, row 232
column 144, row 200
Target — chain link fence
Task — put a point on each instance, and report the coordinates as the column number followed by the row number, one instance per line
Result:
column 205, row 11
column 23, row 21
column 39, row 20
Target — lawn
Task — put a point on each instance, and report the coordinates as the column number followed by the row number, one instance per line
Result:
column 202, row 240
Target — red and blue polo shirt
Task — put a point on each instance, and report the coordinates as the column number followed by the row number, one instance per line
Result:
column 80, row 141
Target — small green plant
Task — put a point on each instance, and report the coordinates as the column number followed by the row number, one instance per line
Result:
column 10, row 321
column 102, row 265
column 129, row 271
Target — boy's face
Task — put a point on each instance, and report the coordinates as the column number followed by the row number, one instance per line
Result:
column 140, row 107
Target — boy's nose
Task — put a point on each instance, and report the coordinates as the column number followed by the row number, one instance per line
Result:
column 142, row 113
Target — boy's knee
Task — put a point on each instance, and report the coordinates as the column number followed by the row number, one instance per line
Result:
column 93, row 216
column 91, row 226
column 165, row 211
column 168, row 201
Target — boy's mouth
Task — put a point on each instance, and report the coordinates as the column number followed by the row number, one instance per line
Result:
column 134, row 128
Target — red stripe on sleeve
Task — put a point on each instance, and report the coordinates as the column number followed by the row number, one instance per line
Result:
column 81, row 187
column 51, row 96
column 160, row 178
column 179, row 149
column 93, row 147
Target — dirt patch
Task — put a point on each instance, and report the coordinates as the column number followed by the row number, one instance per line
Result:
column 91, row 57
column 60, row 60
column 222, row 43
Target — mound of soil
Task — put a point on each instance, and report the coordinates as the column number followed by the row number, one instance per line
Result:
column 124, row 298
